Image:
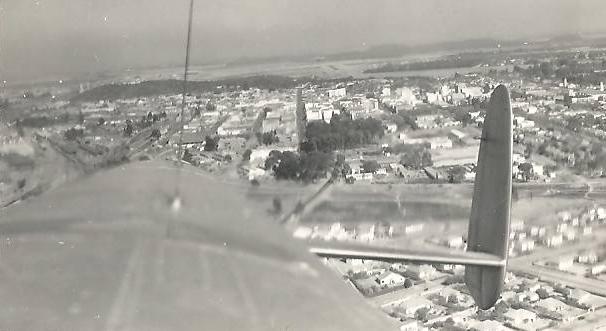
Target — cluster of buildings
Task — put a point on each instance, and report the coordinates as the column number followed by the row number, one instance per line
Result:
column 346, row 232
column 524, row 238
column 425, row 297
column 449, row 94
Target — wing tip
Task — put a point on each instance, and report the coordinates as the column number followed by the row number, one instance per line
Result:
column 500, row 97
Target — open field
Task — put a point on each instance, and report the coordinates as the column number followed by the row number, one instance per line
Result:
column 536, row 204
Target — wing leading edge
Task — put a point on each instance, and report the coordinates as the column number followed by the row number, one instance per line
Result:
column 394, row 255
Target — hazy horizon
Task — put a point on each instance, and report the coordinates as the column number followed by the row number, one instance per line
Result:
column 41, row 38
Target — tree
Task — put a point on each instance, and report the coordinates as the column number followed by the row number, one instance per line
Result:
column 272, row 160
column 73, row 134
column 155, row 134
column 462, row 116
column 314, row 165
column 187, row 156
column 128, row 130
column 416, row 157
column 308, row 146
column 269, row 138
column 542, row 293
column 246, row 155
column 542, row 149
column 371, row 166
column 456, row 174
column 527, row 170
column 501, row 307
column 100, row 121
column 288, row 168
column 211, row 144
column 546, row 69
column 408, row 283
column 346, row 170
column 422, row 314
column 342, row 133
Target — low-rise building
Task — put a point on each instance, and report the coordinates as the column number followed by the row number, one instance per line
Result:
column 520, row 318
column 413, row 325
column 554, row 240
column 597, row 269
column 411, row 304
column 390, row 278
column 525, row 245
column 556, row 309
column 561, row 263
column 587, row 257
column 487, row 325
column 455, row 242
column 421, row 272
column 585, row 300
column 456, row 136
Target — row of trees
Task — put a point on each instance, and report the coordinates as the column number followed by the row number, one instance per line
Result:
column 305, row 167
column 574, row 71
column 268, row 138
column 414, row 156
column 341, row 133
column 145, row 122
column 585, row 158
column 73, row 134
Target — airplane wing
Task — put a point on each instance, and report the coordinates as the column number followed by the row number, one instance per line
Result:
column 419, row 254
column 108, row 253
column 488, row 234
column 491, row 204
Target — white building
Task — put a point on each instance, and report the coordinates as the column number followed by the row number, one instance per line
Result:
column 520, row 318
column 337, row 93
column 390, row 278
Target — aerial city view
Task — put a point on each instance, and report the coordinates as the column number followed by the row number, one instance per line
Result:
column 251, row 170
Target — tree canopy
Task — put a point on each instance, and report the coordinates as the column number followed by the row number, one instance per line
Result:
column 414, row 156
column 211, row 144
column 305, row 167
column 341, row 133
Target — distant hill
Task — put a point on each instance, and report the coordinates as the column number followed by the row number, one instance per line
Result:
column 398, row 50
column 382, row 51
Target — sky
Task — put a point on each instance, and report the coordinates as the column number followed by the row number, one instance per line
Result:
column 43, row 38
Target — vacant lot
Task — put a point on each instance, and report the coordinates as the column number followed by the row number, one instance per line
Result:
column 364, row 203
